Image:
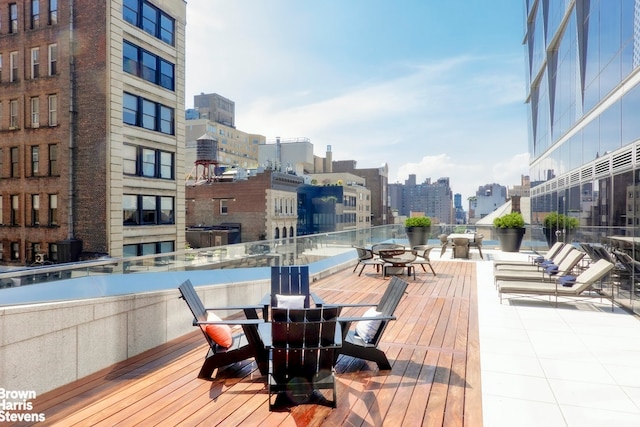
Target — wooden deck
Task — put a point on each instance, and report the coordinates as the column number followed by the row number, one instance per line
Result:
column 433, row 347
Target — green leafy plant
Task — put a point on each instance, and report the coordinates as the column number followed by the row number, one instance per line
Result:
column 560, row 221
column 511, row 220
column 417, row 221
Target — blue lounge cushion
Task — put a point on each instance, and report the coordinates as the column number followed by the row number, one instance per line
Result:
column 567, row 281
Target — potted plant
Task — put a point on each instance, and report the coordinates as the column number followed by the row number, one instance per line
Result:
column 418, row 229
column 556, row 224
column 510, row 231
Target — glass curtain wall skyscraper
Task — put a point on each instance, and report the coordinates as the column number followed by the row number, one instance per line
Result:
column 583, row 98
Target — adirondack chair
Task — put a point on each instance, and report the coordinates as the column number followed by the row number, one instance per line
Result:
column 303, row 344
column 290, row 289
column 362, row 342
column 245, row 345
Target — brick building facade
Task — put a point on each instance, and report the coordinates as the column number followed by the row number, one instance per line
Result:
column 265, row 205
column 91, row 128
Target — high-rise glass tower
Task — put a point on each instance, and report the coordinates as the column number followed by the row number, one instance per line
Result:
column 583, row 96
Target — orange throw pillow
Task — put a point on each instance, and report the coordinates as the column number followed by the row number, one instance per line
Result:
column 220, row 334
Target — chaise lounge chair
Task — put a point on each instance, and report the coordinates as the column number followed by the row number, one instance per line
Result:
column 565, row 267
column 555, row 255
column 583, row 283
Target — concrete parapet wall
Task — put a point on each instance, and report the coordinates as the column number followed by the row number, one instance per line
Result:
column 45, row 346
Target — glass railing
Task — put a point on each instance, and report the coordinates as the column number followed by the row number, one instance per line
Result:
column 318, row 247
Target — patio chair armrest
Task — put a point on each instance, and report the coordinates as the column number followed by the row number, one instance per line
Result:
column 228, row 322
column 373, row 304
column 359, row 318
column 316, row 299
column 236, row 307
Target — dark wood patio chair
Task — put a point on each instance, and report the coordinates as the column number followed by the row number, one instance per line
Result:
column 245, row 345
column 290, row 289
column 303, row 344
column 366, row 347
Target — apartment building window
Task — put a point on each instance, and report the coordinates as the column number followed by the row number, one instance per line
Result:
column 148, row 114
column 53, row 12
column 35, row 112
column 53, row 59
column 13, row 66
column 149, row 18
column 15, row 162
column 148, row 66
column 130, row 11
column 224, row 207
column 53, row 209
column 0, row 115
column 1, row 214
column 13, row 18
column 0, row 67
column 35, row 209
column 15, row 251
column 53, row 160
column 15, row 209
column 53, row 252
column 147, row 210
column 129, row 160
column 13, row 114
column 148, row 162
column 35, row 62
column 35, row 14
column 166, row 120
column 138, row 111
column 35, row 160
column 166, row 210
column 130, row 109
column 166, row 165
column 53, row 110
column 1, row 168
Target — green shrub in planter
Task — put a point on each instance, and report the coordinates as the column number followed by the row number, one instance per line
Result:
column 554, row 222
column 418, row 229
column 560, row 221
column 511, row 220
column 510, row 231
column 417, row 221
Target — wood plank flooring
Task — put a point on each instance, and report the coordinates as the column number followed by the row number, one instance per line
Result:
column 433, row 347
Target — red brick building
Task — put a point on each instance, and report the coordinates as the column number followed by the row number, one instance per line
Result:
column 91, row 128
column 265, row 205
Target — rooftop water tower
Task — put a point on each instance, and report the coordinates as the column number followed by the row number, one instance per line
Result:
column 207, row 157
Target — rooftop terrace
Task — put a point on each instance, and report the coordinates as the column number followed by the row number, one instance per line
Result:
column 459, row 358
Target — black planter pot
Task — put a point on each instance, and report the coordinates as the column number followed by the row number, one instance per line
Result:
column 417, row 235
column 552, row 237
column 510, row 238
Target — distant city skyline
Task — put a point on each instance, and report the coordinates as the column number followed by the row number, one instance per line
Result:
column 430, row 88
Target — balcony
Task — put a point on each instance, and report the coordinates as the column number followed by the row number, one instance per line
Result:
column 124, row 349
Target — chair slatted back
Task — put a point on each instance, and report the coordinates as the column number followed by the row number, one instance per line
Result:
column 189, row 294
column 290, row 280
column 303, row 342
column 389, row 302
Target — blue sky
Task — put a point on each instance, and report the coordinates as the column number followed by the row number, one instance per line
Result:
column 433, row 88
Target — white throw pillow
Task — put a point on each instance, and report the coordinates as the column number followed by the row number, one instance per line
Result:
column 289, row 301
column 366, row 329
